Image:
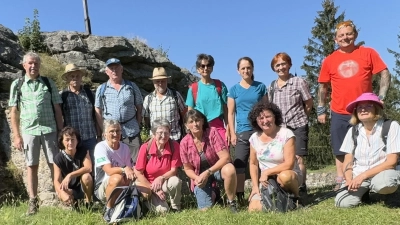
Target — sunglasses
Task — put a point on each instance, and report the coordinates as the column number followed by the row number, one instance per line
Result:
column 204, row 66
column 365, row 107
column 348, row 23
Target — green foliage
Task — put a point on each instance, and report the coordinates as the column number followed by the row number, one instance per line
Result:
column 318, row 48
column 29, row 36
column 163, row 51
column 392, row 100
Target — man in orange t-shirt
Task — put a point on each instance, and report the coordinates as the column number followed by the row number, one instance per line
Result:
column 349, row 71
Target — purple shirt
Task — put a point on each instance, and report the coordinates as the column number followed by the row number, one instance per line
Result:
column 212, row 144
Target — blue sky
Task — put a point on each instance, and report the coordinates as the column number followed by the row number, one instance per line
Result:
column 225, row 29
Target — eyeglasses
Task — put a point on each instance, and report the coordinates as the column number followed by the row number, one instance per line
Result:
column 204, row 66
column 115, row 132
column 365, row 107
column 163, row 134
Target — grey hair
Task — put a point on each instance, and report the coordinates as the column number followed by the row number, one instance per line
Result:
column 159, row 122
column 109, row 123
column 31, row 55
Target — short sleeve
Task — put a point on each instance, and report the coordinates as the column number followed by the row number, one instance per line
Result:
column 181, row 102
column 176, row 159
column 55, row 95
column 183, row 147
column 224, row 93
column 348, row 144
column 189, row 98
column 324, row 75
column 13, row 94
column 217, row 141
column 141, row 160
column 393, row 138
column 98, row 103
column 232, row 93
column 138, row 94
column 304, row 90
column 100, row 155
column 377, row 63
column 145, row 111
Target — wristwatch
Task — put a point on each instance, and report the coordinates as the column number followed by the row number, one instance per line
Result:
column 123, row 169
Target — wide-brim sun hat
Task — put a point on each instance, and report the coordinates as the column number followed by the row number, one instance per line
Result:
column 364, row 97
column 71, row 68
column 159, row 73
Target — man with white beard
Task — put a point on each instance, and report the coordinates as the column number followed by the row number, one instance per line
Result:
column 165, row 103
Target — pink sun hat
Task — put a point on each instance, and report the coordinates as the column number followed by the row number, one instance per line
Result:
column 364, row 97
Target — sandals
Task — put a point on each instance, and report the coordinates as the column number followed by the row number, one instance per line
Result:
column 338, row 184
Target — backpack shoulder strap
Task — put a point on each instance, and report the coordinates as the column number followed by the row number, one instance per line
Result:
column 171, row 145
column 89, row 94
column 385, row 131
column 195, row 88
column 19, row 93
column 148, row 148
column 103, row 89
column 218, row 85
column 272, row 90
column 354, row 136
column 47, row 83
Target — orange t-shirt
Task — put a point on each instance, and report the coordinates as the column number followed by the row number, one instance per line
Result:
column 350, row 75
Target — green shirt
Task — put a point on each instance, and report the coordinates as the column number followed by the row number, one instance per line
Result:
column 36, row 113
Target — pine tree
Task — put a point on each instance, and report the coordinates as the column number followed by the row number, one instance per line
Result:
column 392, row 100
column 318, row 48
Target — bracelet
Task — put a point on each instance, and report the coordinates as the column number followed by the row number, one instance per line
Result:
column 321, row 110
column 210, row 172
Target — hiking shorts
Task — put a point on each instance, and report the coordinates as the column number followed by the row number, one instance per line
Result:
column 33, row 144
column 339, row 126
column 301, row 134
column 242, row 151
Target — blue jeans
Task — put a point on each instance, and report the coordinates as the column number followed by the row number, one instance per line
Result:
column 89, row 144
column 204, row 194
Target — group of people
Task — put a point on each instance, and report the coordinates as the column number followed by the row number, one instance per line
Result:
column 100, row 145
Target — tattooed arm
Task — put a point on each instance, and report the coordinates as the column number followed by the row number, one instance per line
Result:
column 322, row 94
column 385, row 82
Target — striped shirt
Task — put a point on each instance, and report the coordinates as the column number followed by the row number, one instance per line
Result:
column 370, row 150
column 78, row 113
column 290, row 99
column 121, row 106
column 36, row 110
column 166, row 108
column 212, row 143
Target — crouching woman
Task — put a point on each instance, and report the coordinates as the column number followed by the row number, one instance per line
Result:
column 272, row 150
column 72, row 168
column 157, row 166
column 369, row 163
column 206, row 159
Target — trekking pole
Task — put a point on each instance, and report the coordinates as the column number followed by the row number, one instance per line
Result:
column 326, row 196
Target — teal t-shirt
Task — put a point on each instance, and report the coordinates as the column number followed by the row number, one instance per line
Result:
column 245, row 99
column 208, row 100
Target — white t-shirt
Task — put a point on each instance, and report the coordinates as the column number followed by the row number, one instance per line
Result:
column 270, row 154
column 104, row 154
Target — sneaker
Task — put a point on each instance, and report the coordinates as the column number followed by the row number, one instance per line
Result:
column 232, row 206
column 33, row 206
column 175, row 210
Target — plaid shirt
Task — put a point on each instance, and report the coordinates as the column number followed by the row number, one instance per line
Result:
column 290, row 99
column 36, row 112
column 370, row 152
column 121, row 106
column 166, row 108
column 212, row 144
column 79, row 114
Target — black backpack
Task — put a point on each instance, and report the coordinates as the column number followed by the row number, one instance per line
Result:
column 384, row 133
column 89, row 94
column 275, row 199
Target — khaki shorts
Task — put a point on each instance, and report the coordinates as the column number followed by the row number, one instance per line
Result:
column 33, row 143
column 101, row 191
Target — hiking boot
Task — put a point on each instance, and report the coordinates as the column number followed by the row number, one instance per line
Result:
column 365, row 197
column 33, row 206
column 175, row 210
column 232, row 206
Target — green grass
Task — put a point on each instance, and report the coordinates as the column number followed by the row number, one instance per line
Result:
column 324, row 213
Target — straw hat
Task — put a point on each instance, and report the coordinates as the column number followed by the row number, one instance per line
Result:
column 159, row 73
column 72, row 67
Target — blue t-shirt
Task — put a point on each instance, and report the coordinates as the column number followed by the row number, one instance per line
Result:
column 244, row 101
column 208, row 100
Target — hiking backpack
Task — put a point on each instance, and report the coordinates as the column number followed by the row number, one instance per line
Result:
column 103, row 98
column 275, row 199
column 46, row 82
column 384, row 133
column 89, row 94
column 127, row 205
column 195, row 88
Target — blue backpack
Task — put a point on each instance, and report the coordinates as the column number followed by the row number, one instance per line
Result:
column 127, row 206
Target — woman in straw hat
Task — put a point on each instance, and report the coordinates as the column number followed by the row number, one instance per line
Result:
column 370, row 162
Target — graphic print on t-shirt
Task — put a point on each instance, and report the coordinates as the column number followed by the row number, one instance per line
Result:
column 348, row 68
